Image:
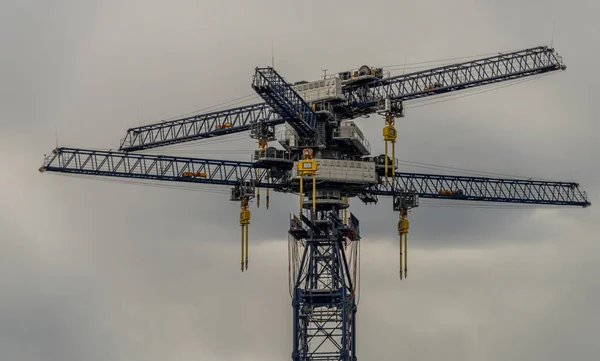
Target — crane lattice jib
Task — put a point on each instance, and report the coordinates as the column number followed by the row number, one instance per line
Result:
column 150, row 167
column 198, row 127
column 487, row 189
column 404, row 87
column 232, row 173
column 502, row 67
column 285, row 101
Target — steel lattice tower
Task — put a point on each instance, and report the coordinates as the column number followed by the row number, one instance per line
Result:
column 324, row 297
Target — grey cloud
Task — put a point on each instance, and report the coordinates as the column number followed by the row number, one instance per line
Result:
column 105, row 270
column 48, row 309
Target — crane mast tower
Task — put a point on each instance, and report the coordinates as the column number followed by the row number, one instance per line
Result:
column 326, row 160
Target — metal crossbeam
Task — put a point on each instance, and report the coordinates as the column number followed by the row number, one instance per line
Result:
column 198, row 127
column 151, row 167
column 284, row 100
column 212, row 171
column 460, row 76
column 361, row 100
column 487, row 189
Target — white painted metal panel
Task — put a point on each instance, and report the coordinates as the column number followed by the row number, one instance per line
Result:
column 343, row 171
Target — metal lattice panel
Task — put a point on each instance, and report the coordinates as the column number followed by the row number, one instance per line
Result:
column 443, row 79
column 212, row 171
column 284, row 100
column 361, row 100
column 198, row 127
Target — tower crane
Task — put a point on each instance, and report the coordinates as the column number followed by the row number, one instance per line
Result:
column 326, row 160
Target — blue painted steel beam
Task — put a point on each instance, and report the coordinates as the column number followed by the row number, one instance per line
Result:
column 172, row 168
column 404, row 87
column 524, row 191
column 285, row 101
column 324, row 289
column 196, row 127
column 494, row 69
column 151, row 167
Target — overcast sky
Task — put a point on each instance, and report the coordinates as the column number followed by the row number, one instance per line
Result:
column 101, row 270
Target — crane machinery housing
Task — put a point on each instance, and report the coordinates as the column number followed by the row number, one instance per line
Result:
column 326, row 160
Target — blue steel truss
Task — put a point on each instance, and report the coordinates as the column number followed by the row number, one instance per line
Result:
column 152, row 167
column 285, row 101
column 212, row 171
column 465, row 75
column 359, row 100
column 487, row 189
column 324, row 289
column 198, row 127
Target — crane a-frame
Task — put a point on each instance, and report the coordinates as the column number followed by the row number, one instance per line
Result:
column 326, row 160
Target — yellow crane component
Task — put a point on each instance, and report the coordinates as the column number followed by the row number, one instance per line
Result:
column 245, row 223
column 268, row 181
column 308, row 167
column 432, row 86
column 450, row 192
column 223, row 126
column 263, row 143
column 403, row 232
column 262, row 146
column 389, row 136
column 256, row 189
column 195, row 174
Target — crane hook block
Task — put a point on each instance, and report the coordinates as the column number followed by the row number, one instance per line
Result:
column 403, row 226
column 244, row 216
column 389, row 133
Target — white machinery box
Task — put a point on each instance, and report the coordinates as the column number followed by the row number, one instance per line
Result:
column 346, row 171
column 320, row 90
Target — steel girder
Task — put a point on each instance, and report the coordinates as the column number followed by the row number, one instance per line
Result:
column 361, row 100
column 285, row 101
column 224, row 172
column 460, row 76
column 198, row 127
column 324, row 290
